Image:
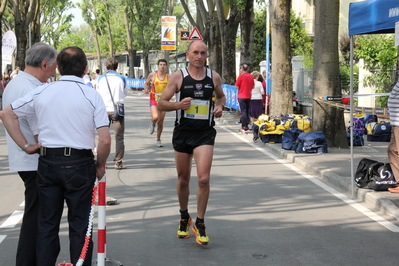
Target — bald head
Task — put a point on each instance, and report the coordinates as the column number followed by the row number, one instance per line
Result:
column 197, row 54
column 195, row 44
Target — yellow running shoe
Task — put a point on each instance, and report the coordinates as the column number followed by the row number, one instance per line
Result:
column 199, row 231
column 184, row 228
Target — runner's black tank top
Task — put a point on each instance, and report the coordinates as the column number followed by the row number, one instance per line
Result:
column 200, row 114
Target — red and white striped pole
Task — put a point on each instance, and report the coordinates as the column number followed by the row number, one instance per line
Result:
column 101, row 248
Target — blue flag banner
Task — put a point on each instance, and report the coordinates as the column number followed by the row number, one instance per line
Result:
column 373, row 16
column 230, row 92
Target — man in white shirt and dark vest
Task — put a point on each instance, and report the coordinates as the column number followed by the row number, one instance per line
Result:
column 194, row 133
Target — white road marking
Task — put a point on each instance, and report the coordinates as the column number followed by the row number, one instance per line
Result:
column 13, row 220
column 2, row 237
column 382, row 221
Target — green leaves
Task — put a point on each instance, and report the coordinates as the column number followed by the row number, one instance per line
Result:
column 380, row 55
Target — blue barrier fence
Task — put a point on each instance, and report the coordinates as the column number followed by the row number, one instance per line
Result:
column 229, row 90
column 136, row 83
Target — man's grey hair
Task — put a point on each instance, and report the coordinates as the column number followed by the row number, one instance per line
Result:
column 39, row 52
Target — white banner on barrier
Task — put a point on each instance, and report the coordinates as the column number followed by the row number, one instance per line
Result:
column 9, row 45
column 397, row 33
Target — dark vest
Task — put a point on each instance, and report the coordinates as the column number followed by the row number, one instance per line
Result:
column 200, row 115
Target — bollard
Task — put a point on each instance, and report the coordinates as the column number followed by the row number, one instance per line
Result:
column 101, row 247
column 102, row 259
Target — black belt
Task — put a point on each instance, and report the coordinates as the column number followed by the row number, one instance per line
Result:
column 65, row 152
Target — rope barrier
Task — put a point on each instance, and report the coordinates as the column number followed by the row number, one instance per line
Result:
column 82, row 256
column 366, row 110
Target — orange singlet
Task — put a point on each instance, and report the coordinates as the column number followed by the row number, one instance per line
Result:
column 157, row 88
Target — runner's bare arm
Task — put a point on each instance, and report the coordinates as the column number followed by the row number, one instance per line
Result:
column 220, row 97
column 173, row 86
column 147, row 83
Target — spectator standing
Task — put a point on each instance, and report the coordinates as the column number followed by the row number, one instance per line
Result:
column 15, row 72
column 4, row 82
column 68, row 112
column 97, row 77
column 114, row 84
column 86, row 77
column 393, row 148
column 262, row 80
column 194, row 133
column 245, row 83
column 40, row 64
column 155, row 85
column 255, row 107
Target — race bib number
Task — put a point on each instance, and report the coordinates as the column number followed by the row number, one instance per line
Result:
column 157, row 96
column 199, row 109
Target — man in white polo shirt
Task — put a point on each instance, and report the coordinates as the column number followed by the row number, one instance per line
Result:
column 68, row 114
column 40, row 64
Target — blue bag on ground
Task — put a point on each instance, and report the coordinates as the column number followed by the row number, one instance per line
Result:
column 379, row 131
column 358, row 139
column 289, row 138
column 369, row 118
column 311, row 142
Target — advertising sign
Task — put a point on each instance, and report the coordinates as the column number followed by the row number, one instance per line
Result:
column 168, row 40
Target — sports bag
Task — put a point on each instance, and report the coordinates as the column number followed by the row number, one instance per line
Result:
column 381, row 177
column 311, row 142
column 368, row 119
column 361, row 176
column 289, row 138
column 358, row 139
column 379, row 131
column 375, row 175
column 304, row 124
column 119, row 110
column 358, row 125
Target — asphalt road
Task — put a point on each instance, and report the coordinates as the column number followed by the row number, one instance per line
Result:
column 261, row 211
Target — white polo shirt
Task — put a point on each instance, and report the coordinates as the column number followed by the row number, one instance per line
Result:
column 68, row 113
column 117, row 85
column 18, row 87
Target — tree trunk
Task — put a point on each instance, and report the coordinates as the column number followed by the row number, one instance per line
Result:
column 98, row 51
column 215, row 47
column 281, row 99
column 326, row 79
column 24, row 13
column 228, row 30
column 129, row 42
column 247, row 34
column 146, row 63
column 35, row 26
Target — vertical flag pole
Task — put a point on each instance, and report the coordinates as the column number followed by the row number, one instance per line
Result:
column 268, row 74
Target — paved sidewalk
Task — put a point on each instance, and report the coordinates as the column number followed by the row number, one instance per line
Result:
column 334, row 167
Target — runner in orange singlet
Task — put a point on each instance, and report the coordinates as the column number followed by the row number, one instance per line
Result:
column 155, row 84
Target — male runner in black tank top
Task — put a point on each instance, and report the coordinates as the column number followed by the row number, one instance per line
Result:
column 194, row 134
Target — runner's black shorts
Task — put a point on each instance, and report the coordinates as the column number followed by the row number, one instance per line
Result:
column 187, row 141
